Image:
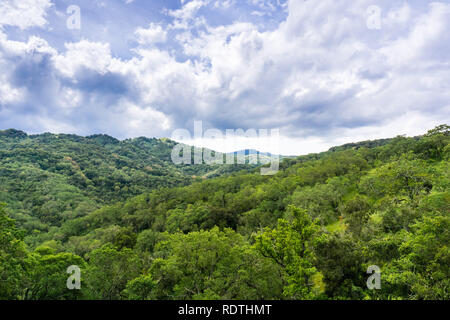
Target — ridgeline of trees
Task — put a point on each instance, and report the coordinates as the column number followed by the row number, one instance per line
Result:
column 309, row 232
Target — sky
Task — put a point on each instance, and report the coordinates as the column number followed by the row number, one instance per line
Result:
column 322, row 72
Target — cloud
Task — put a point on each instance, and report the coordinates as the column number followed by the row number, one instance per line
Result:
column 84, row 54
column 152, row 35
column 24, row 13
column 186, row 17
column 321, row 76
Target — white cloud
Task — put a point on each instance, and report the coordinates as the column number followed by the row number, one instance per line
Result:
column 24, row 13
column 186, row 16
column 91, row 55
column 9, row 94
column 153, row 34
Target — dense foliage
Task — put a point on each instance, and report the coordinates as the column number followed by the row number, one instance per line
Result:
column 309, row 232
column 47, row 179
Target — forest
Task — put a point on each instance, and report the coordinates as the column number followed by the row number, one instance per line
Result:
column 142, row 228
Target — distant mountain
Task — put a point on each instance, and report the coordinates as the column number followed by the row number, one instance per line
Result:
column 255, row 156
column 251, row 151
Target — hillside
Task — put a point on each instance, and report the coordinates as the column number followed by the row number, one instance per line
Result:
column 309, row 232
column 47, row 179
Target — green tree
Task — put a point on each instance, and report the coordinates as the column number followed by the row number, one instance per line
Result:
column 109, row 271
column 212, row 264
column 404, row 177
column 357, row 213
column 421, row 271
column 340, row 260
column 140, row 288
column 49, row 275
column 14, row 259
column 290, row 245
column 433, row 144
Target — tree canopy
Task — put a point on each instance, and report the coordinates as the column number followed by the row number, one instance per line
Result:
column 141, row 228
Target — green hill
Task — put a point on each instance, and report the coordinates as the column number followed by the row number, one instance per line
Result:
column 50, row 178
column 309, row 232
